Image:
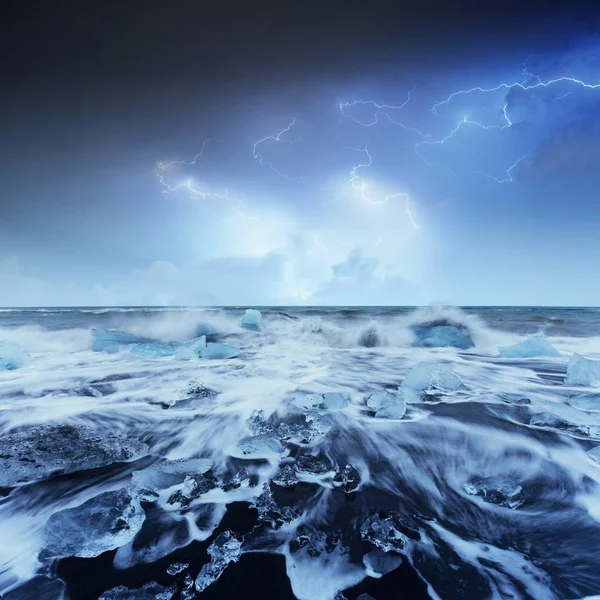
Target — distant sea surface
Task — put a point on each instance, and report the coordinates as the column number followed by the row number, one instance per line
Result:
column 317, row 453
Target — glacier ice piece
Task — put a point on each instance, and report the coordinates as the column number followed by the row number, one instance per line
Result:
column 252, row 320
column 162, row 475
column 583, row 371
column 12, row 356
column 225, row 549
column 388, row 405
column 536, row 345
column 428, row 376
column 270, row 512
column 312, row 465
column 213, row 350
column 103, row 523
column 113, row 340
column 588, row 401
column 177, row 567
column 379, row 563
column 388, row 532
column 502, row 491
column 264, row 443
column 150, row 591
column 193, row 487
column 550, row 420
column 348, row 478
column 42, row 451
column 594, row 453
column 326, row 401
column 286, row 477
column 258, row 424
column 442, row 334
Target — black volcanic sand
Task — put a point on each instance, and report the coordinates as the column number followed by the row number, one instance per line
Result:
column 255, row 575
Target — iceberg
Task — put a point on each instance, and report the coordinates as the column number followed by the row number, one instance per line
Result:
column 536, row 345
column 42, row 451
column 442, row 334
column 428, row 376
column 252, row 320
column 583, row 371
column 387, row 405
column 150, row 591
column 224, row 550
column 378, row 563
column 103, row 523
column 588, row 401
column 12, row 356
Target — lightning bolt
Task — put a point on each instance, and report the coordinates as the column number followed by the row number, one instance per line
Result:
column 380, row 111
column 188, row 183
column 358, row 183
column 519, row 85
column 276, row 138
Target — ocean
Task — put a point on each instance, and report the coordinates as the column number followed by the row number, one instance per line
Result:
column 314, row 453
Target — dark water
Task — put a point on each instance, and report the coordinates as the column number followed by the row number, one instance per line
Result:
column 476, row 477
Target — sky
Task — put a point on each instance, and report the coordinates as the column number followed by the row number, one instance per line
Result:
column 341, row 153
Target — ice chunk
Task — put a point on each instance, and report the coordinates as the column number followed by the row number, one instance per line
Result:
column 252, row 320
column 315, row 429
column 177, row 567
column 312, row 465
column 45, row 450
column 261, row 444
column 387, row 405
column 594, row 453
column 379, row 563
column 213, row 350
column 388, row 532
column 163, row 475
column 548, row 419
column 503, row 491
column 112, row 340
column 150, row 591
column 258, row 424
column 536, row 345
column 326, row 401
column 442, row 334
column 583, row 371
column 224, row 550
column 103, row 523
column 12, row 356
column 348, row 479
column 428, row 376
column 193, row 487
column 270, row 512
column 286, row 477
column 588, row 401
